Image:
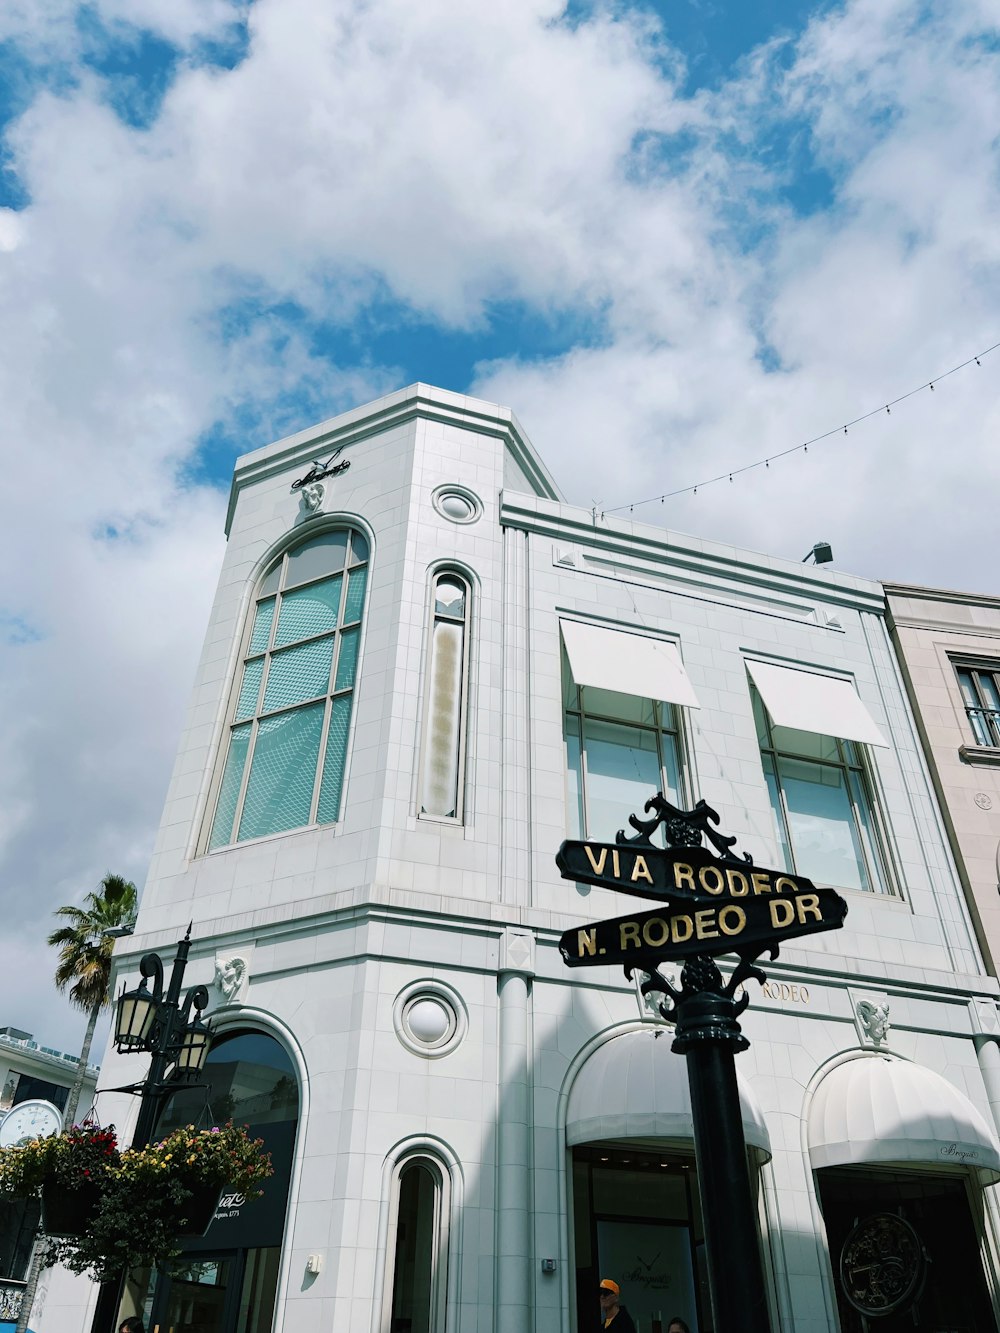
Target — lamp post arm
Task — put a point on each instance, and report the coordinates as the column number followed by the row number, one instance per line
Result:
column 151, row 965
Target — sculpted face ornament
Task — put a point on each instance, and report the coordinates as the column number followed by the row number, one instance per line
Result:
column 230, row 974
column 874, row 1018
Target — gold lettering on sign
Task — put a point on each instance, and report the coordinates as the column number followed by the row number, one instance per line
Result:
column 656, row 932
column 783, row 882
column 586, row 942
column 596, row 862
column 683, row 876
column 629, row 934
column 703, row 924
column 761, row 883
column 734, row 877
column 808, row 904
column 732, row 919
column 641, row 871
column 710, row 879
column 616, row 869
column 681, row 929
column 782, row 912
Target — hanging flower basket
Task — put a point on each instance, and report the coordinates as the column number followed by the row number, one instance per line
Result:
column 155, row 1197
column 79, row 1159
column 66, row 1211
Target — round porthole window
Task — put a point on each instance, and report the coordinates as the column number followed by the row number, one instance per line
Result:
column 430, row 1018
column 457, row 504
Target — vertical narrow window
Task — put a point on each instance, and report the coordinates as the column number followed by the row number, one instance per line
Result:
column 416, row 1302
column 442, row 759
column 287, row 747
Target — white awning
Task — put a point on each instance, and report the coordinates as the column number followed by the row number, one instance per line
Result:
column 635, row 1087
column 612, row 659
column 883, row 1110
column 809, row 702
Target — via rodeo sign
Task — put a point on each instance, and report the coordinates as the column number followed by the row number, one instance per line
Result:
column 708, row 904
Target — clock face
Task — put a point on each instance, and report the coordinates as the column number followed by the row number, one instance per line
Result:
column 29, row 1120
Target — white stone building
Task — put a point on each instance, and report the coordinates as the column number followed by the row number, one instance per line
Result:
column 421, row 674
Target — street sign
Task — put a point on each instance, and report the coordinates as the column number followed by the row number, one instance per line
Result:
column 667, row 874
column 699, row 926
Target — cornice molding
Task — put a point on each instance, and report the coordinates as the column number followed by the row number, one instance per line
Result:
column 418, row 402
column 674, row 551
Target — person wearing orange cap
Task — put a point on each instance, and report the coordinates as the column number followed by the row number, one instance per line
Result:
column 613, row 1313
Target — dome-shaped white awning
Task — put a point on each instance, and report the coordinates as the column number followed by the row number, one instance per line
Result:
column 635, row 1087
column 880, row 1109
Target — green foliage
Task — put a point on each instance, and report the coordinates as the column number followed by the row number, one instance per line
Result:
column 145, row 1193
column 84, row 947
column 82, row 1155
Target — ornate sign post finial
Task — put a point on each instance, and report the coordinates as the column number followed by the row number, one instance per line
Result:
column 709, row 905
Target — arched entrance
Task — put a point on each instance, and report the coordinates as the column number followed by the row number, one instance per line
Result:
column 901, row 1157
column 227, row 1279
column 636, row 1213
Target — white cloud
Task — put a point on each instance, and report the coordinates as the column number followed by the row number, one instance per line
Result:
column 449, row 156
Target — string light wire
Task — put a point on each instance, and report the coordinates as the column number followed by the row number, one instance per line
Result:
column 804, row 447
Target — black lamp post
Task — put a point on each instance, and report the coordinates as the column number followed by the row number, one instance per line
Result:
column 176, row 1037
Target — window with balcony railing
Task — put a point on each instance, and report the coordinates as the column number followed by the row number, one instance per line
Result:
column 980, row 686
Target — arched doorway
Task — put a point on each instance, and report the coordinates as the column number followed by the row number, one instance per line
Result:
column 226, row 1280
column 900, row 1159
column 636, row 1211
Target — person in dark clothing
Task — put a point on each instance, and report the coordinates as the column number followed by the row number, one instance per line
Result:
column 677, row 1325
column 133, row 1325
column 614, row 1316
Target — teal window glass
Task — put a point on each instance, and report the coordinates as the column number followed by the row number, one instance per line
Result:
column 620, row 751
column 347, row 660
column 246, row 705
column 824, row 816
column 261, row 632
column 287, row 748
column 334, row 760
column 297, row 674
column 232, row 780
column 355, row 594
column 282, row 772
column 308, row 611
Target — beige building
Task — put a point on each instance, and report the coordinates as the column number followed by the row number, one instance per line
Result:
column 949, row 647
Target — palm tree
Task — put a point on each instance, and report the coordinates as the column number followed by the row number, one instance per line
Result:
column 85, row 948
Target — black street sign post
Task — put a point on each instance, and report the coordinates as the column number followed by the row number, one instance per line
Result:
column 710, row 905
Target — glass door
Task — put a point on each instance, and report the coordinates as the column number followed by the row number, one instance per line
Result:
column 197, row 1296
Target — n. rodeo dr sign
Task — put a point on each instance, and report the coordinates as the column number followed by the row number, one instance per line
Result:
column 691, row 929
column 710, row 905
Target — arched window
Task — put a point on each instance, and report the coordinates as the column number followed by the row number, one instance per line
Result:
column 416, row 1301
column 442, row 761
column 288, row 733
column 227, row 1279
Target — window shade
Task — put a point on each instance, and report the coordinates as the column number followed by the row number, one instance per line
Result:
column 627, row 663
column 810, row 702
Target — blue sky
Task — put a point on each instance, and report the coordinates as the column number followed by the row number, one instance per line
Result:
column 674, row 239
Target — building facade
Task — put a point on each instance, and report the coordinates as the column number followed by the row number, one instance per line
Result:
column 949, row 647
column 423, row 672
column 29, row 1073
